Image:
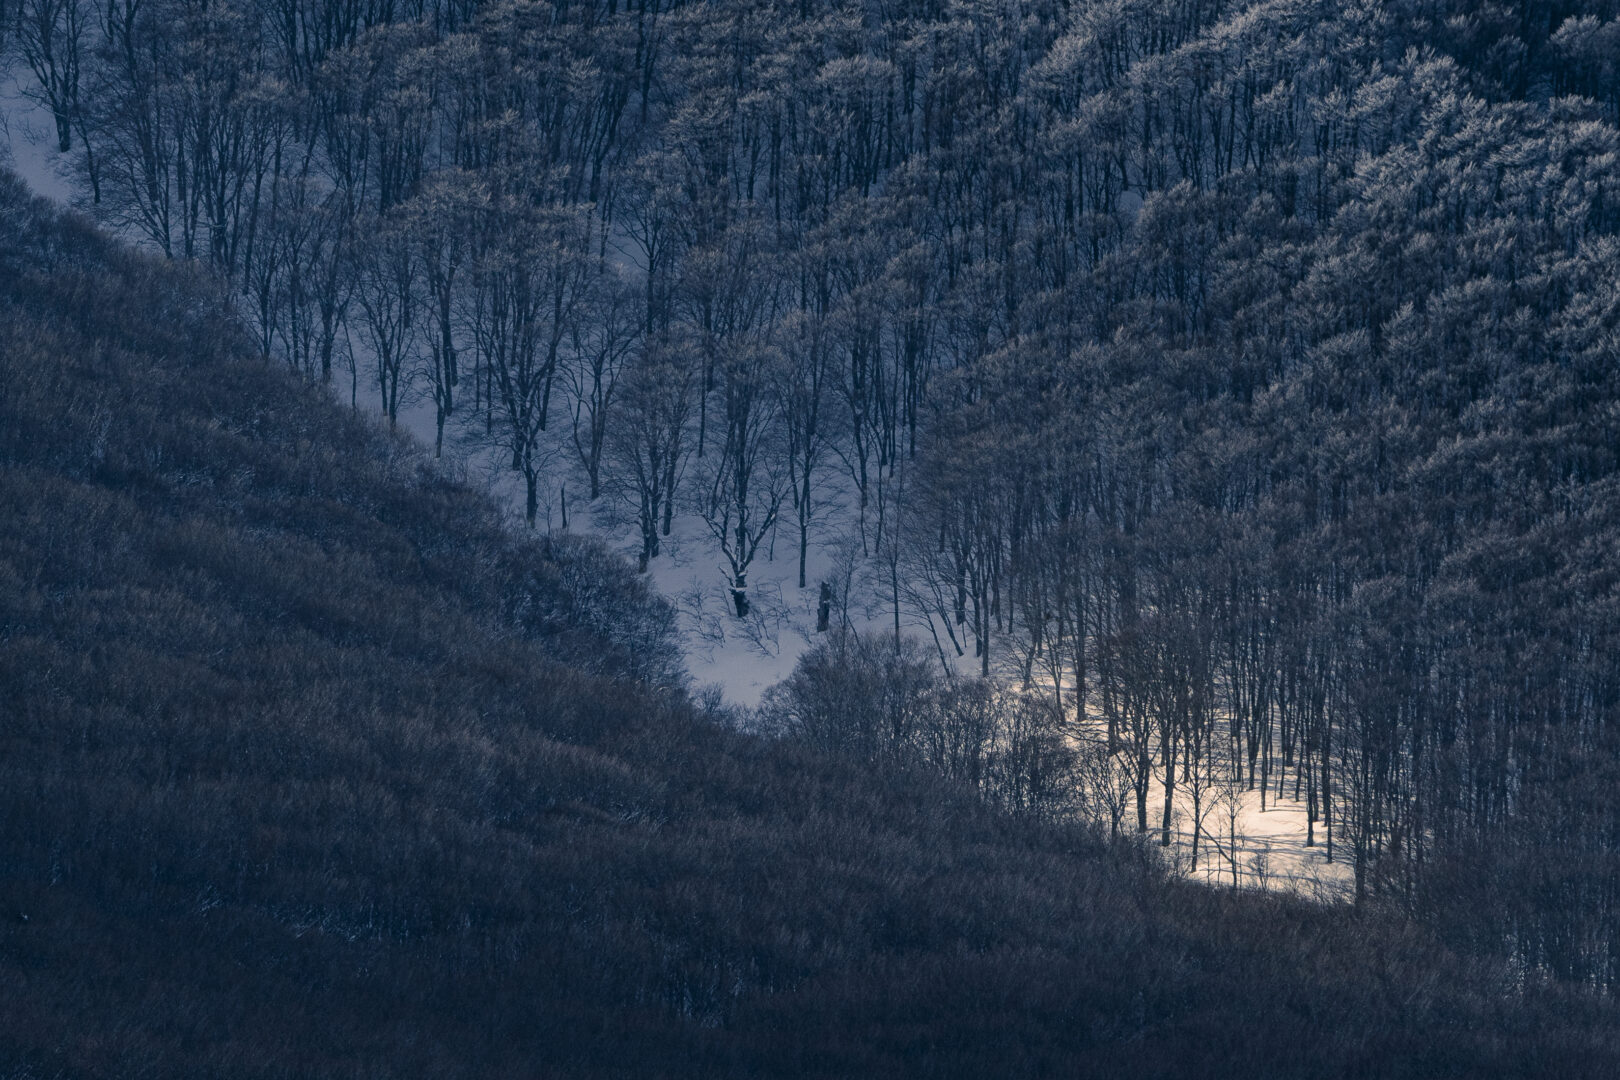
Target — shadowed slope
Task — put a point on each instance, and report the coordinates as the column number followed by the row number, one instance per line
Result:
column 307, row 768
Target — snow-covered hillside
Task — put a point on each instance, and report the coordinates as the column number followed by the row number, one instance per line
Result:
column 26, row 145
column 741, row 658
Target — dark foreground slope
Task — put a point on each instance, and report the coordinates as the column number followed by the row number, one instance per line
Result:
column 307, row 770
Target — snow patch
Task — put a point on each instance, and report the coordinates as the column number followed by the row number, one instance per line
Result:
column 28, row 142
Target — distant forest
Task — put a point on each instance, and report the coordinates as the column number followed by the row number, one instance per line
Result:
column 1243, row 377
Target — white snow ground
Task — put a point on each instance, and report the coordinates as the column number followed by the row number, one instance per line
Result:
column 28, row 140
column 1271, row 851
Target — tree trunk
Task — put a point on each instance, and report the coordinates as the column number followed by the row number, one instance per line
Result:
column 1142, row 780
column 1169, row 789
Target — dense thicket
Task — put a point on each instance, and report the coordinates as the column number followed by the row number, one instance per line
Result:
column 308, row 769
column 1244, row 371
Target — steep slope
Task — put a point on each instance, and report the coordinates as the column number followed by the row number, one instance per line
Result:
column 307, row 768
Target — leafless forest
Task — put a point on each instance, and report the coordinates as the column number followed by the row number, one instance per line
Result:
column 1223, row 398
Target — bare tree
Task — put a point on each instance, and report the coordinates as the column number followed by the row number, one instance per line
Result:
column 53, row 37
column 1104, row 782
column 603, row 341
column 386, row 289
column 645, row 449
column 803, row 388
column 532, row 270
column 437, row 219
column 745, row 484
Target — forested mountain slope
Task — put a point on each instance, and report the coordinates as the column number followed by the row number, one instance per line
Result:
column 1242, row 374
column 307, row 768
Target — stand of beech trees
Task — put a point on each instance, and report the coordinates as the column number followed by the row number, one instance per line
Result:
column 1243, row 376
